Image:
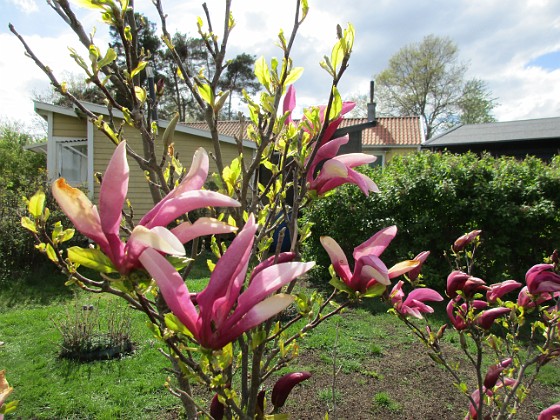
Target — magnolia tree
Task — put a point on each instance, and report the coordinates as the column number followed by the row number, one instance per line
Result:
column 227, row 338
column 519, row 336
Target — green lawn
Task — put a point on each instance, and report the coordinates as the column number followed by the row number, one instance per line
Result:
column 133, row 387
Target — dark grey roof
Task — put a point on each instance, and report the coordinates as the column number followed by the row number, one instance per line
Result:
column 543, row 128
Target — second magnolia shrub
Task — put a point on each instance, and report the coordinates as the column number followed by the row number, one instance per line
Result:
column 433, row 198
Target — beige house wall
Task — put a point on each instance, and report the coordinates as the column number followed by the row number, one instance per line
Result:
column 391, row 153
column 138, row 191
column 66, row 126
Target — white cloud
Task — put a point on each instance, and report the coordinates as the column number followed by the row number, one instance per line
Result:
column 21, row 78
column 26, row 6
column 498, row 40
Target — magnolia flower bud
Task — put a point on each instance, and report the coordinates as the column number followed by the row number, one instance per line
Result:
column 216, row 408
column 464, row 240
column 494, row 373
column 284, row 386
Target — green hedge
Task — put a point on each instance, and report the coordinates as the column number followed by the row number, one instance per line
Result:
column 433, row 198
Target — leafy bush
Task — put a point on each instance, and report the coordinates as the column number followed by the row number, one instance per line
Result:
column 21, row 174
column 434, row 198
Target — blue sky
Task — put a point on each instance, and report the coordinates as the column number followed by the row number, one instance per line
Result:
column 513, row 45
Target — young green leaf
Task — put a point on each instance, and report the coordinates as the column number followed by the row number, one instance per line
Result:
column 141, row 66
column 37, row 204
column 91, row 258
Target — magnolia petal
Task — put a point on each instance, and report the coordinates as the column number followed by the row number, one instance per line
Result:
column 187, row 231
column 402, row 267
column 158, row 238
column 377, row 275
column 550, row 413
column 217, row 299
column 421, row 258
column 333, row 125
column 497, row 290
column 353, row 177
column 266, row 282
column 172, row 288
column 198, row 172
column 5, row 388
column 289, row 102
column 377, row 243
column 486, row 318
column 369, row 268
column 397, row 293
column 423, row 294
column 81, row 212
column 419, row 305
column 338, row 259
column 185, row 202
column 255, row 316
column 274, row 259
column 112, row 193
column 355, row 159
column 411, row 310
column 195, row 179
column 332, row 169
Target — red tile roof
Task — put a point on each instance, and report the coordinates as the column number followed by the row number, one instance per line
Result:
column 226, row 128
column 389, row 131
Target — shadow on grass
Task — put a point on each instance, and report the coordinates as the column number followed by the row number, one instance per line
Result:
column 39, row 286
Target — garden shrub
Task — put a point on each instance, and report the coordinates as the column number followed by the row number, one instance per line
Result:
column 433, row 198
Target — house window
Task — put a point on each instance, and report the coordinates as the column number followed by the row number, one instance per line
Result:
column 380, row 161
column 72, row 161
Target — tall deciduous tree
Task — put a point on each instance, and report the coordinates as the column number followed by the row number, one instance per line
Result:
column 239, row 76
column 477, row 103
column 424, row 79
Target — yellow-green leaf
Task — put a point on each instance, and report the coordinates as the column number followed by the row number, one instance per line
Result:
column 337, row 55
column 169, row 132
column 91, row 258
column 110, row 56
column 262, row 72
column 336, row 106
column 173, row 323
column 140, row 93
column 51, row 253
column 37, row 204
column 29, row 224
column 206, row 94
column 141, row 66
column 293, row 75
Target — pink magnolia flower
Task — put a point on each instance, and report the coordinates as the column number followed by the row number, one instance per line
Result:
column 335, row 170
column 472, row 414
column 542, row 279
column 284, row 386
column 467, row 284
column 486, row 318
column 421, row 258
column 289, row 103
column 497, row 290
column 466, row 239
column 527, row 300
column 103, row 226
column 458, row 314
column 551, row 413
column 414, row 303
column 494, row 372
column 369, row 270
column 224, row 313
